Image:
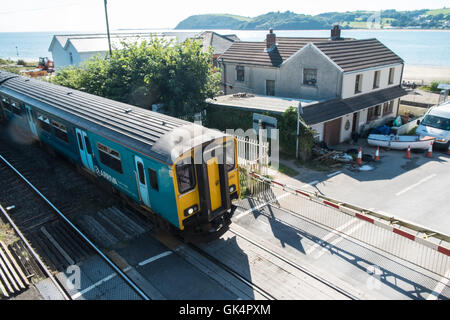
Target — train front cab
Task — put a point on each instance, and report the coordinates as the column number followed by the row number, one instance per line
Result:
column 206, row 180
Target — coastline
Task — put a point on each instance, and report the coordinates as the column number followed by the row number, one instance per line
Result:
column 425, row 74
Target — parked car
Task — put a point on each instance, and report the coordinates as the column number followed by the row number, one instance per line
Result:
column 436, row 123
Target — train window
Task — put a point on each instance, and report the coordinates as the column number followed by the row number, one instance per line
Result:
column 110, row 157
column 153, row 179
column 44, row 122
column 230, row 155
column 88, row 145
column 185, row 175
column 7, row 105
column 141, row 173
column 60, row 131
column 16, row 109
column 80, row 142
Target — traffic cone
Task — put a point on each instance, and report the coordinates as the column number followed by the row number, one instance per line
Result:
column 359, row 159
column 377, row 154
column 430, row 151
column 408, row 153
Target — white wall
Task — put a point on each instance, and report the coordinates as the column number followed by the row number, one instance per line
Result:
column 319, row 130
column 348, row 87
column 60, row 56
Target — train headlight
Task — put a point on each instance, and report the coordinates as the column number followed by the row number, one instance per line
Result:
column 190, row 210
column 232, row 188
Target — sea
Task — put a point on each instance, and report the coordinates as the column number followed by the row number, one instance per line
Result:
column 416, row 47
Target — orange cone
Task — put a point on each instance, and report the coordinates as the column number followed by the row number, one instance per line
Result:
column 359, row 159
column 430, row 151
column 377, row 154
column 408, row 153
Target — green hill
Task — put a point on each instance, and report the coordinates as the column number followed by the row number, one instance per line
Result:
column 427, row 19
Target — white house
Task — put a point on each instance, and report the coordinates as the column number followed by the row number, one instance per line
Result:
column 356, row 82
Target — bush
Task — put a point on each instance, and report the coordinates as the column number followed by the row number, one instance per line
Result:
column 21, row 62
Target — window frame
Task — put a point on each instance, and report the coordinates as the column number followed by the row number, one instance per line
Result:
column 358, row 83
column 376, row 79
column 391, row 75
column 267, row 87
column 153, row 178
column 238, row 70
column 59, row 128
column 193, row 180
column 307, row 82
column 43, row 119
column 105, row 150
column 388, row 108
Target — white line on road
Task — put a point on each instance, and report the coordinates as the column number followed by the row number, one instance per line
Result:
column 342, row 237
column 330, row 235
column 159, row 256
column 80, row 293
column 440, row 287
column 311, row 184
column 333, row 174
column 241, row 214
column 415, row 184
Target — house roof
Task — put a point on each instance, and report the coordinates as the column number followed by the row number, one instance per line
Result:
column 348, row 54
column 332, row 109
column 220, row 43
column 358, row 54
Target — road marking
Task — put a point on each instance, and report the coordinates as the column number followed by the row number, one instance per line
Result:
column 439, row 287
column 415, row 184
column 311, row 184
column 80, row 293
column 342, row 237
column 333, row 174
column 330, row 235
column 241, row 214
column 159, row 256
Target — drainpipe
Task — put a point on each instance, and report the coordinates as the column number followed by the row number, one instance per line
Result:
column 224, row 77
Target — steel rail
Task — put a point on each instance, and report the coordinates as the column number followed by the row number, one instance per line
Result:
column 297, row 266
column 80, row 233
column 35, row 255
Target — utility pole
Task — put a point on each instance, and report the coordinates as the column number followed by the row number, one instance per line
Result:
column 107, row 28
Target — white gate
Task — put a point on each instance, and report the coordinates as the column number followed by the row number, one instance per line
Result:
column 252, row 155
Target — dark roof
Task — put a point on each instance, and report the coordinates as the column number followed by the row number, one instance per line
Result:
column 336, row 108
column 151, row 133
column 254, row 53
column 358, row 54
column 349, row 54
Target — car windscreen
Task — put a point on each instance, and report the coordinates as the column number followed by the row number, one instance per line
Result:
column 437, row 122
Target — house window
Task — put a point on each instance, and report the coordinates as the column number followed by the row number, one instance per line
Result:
column 388, row 107
column 270, row 87
column 240, row 75
column 358, row 83
column 391, row 75
column 373, row 113
column 43, row 122
column 60, row 131
column 109, row 157
column 376, row 79
column 310, row 77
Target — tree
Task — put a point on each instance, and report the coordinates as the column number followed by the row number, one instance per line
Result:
column 178, row 75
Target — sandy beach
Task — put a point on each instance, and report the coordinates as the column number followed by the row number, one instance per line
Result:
column 425, row 73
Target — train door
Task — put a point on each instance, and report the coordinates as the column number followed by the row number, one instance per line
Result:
column 215, row 193
column 142, row 181
column 30, row 120
column 85, row 149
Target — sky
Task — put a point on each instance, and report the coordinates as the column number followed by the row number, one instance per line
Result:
column 89, row 15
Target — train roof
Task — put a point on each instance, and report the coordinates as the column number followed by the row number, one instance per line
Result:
column 154, row 134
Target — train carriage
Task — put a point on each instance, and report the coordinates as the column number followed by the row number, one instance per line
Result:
column 182, row 172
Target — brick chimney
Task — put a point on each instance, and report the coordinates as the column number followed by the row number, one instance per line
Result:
column 271, row 39
column 336, row 32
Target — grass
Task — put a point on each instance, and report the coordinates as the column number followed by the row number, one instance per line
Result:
column 7, row 234
column 444, row 11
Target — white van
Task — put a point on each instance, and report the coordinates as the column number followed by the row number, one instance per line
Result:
column 436, row 123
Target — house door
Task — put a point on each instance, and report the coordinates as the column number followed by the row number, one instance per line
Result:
column 332, row 131
column 30, row 120
column 142, row 181
column 355, row 122
column 85, row 149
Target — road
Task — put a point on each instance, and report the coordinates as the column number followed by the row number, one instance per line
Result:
column 416, row 189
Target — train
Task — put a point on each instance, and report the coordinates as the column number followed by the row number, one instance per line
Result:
column 181, row 174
